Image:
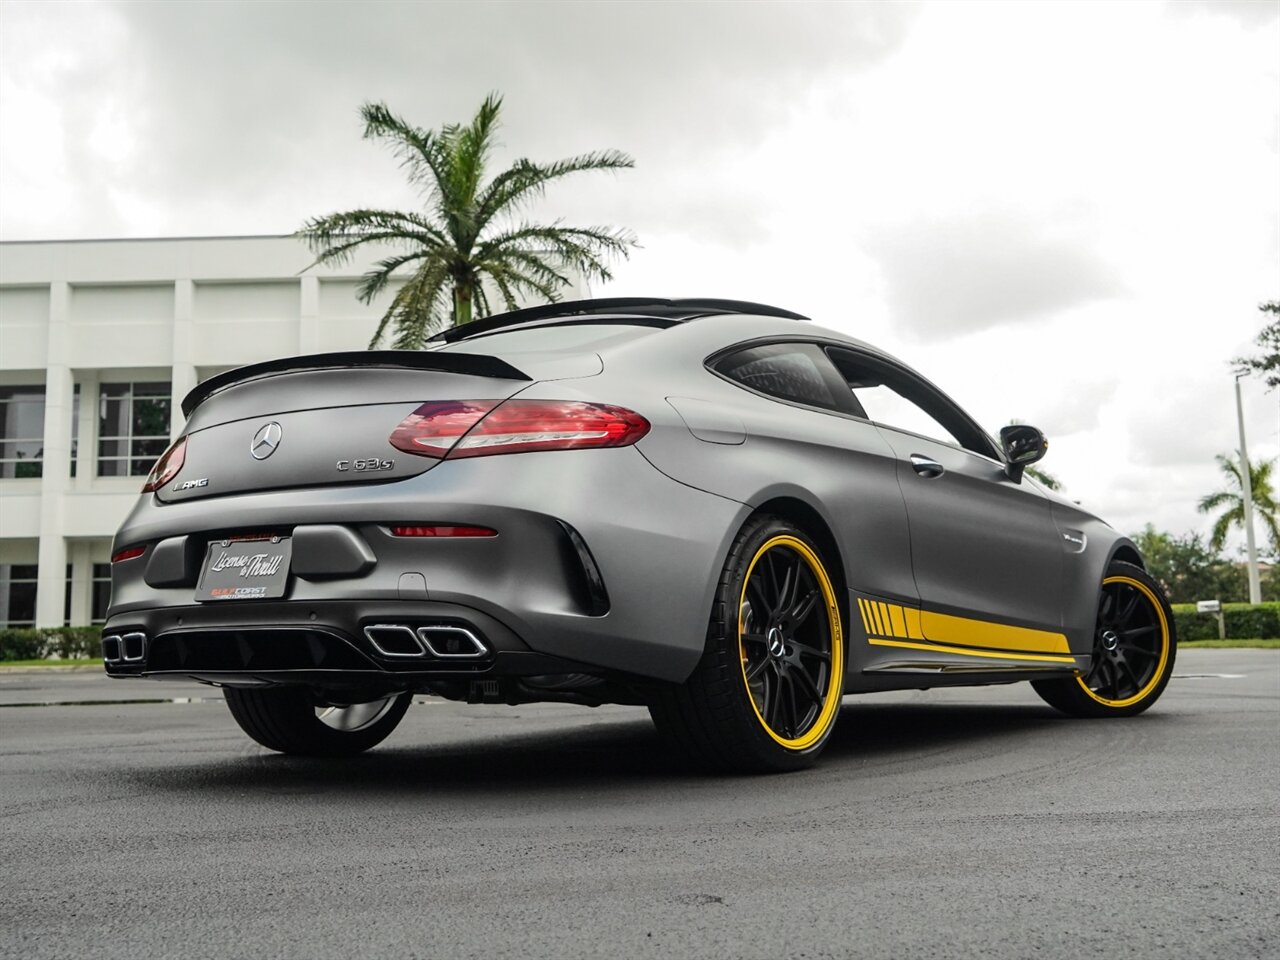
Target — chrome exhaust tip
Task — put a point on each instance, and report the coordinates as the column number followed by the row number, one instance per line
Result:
column 394, row 640
column 124, row 647
column 447, row 641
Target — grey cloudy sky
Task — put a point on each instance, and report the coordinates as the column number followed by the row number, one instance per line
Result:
column 1064, row 213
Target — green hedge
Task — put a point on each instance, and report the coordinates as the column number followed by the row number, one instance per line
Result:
column 63, row 642
column 1244, row 621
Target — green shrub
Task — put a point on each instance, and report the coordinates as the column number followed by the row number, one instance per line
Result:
column 1243, row 621
column 18, row 644
column 63, row 642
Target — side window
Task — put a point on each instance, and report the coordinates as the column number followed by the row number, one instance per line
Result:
column 894, row 399
column 799, row 372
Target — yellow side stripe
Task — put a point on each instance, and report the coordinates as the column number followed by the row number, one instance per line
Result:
column 910, row 623
column 942, row 628
column 939, row 648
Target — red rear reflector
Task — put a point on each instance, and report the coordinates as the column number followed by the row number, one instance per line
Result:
column 167, row 466
column 433, row 429
column 128, row 553
column 443, row 531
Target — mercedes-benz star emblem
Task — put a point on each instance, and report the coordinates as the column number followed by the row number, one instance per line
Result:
column 265, row 441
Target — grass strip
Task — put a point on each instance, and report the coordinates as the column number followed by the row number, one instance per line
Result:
column 41, row 662
column 1264, row 643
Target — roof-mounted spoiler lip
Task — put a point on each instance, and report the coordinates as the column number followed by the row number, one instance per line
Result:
column 468, row 364
column 680, row 309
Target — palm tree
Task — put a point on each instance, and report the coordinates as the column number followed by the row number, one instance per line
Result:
column 468, row 245
column 1264, row 503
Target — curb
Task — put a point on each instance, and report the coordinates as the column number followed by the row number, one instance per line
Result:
column 56, row 668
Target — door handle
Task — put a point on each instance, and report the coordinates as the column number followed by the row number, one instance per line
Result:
column 926, row 467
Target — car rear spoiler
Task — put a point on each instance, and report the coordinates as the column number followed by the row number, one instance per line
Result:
column 468, row 364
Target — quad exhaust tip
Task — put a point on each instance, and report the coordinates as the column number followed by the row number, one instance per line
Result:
column 442, row 641
column 124, row 647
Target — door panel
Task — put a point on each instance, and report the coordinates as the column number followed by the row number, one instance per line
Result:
column 982, row 547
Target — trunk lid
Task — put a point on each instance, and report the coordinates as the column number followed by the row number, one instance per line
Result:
column 322, row 420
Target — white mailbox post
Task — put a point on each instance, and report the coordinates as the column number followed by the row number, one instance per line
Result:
column 1214, row 607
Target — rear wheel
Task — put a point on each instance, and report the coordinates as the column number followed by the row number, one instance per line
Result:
column 1134, row 646
column 766, row 693
column 291, row 720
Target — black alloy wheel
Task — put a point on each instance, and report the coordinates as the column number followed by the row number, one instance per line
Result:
column 766, row 694
column 1134, row 647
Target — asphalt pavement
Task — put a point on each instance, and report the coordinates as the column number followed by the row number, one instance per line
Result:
column 958, row 823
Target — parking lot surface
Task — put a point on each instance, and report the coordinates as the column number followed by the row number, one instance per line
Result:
column 939, row 824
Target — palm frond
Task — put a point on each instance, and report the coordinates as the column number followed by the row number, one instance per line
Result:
column 583, row 249
column 525, row 180
column 422, row 153
column 333, row 237
column 1223, row 525
column 1214, row 500
column 376, row 280
column 416, row 309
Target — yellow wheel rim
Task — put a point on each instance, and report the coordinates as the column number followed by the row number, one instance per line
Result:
column 1159, row 626
column 793, row 684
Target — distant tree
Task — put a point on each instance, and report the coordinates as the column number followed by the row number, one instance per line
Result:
column 1268, row 361
column 1232, row 499
column 1045, row 478
column 1188, row 568
column 469, row 245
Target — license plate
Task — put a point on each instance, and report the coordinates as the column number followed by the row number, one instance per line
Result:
column 245, row 569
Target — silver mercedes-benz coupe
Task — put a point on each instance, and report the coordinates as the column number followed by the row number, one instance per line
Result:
column 709, row 507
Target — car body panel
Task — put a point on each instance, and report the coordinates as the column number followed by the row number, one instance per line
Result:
column 943, row 580
column 982, row 546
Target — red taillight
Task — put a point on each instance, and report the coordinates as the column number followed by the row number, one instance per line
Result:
column 128, row 553
column 167, row 466
column 440, row 530
column 433, row 429
column 481, row 428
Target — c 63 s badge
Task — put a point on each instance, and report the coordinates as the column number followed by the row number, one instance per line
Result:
column 366, row 465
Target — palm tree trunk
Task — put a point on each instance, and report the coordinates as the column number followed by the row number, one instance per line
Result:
column 461, row 304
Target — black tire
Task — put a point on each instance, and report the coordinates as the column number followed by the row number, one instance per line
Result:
column 287, row 719
column 1134, row 648
column 787, row 666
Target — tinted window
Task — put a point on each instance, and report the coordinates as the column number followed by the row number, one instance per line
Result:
column 799, row 372
column 893, row 398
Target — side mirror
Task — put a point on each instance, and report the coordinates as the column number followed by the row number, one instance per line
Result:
column 1022, row 445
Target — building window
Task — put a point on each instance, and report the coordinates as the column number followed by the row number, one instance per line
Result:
column 21, row 431
column 18, row 594
column 99, row 598
column 133, row 428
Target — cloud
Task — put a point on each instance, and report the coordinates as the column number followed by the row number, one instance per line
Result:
column 1250, row 13
column 948, row 275
column 256, row 103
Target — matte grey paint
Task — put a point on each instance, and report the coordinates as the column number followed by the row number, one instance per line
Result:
column 657, row 517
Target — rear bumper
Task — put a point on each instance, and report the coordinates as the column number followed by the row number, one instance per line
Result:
column 601, row 563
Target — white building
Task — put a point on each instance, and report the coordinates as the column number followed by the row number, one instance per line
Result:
column 99, row 342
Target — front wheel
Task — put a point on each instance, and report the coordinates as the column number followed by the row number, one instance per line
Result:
column 1134, row 646
column 292, row 720
column 766, row 693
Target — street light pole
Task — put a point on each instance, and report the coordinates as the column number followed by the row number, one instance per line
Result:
column 1246, row 483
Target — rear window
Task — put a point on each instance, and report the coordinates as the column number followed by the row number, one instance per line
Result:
column 799, row 372
column 566, row 337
